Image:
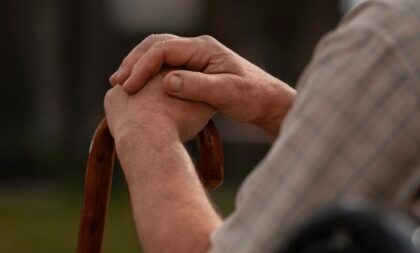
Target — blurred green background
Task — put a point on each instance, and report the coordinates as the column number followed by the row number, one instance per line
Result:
column 56, row 56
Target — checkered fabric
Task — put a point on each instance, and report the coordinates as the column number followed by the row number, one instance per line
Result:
column 353, row 132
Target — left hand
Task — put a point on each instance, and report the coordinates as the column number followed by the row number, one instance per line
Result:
column 213, row 74
column 151, row 110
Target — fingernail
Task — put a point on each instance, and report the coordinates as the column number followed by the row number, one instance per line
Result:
column 175, row 83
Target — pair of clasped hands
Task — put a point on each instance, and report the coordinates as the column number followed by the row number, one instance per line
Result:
column 174, row 84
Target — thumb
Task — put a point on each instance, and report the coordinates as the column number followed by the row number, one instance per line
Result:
column 194, row 86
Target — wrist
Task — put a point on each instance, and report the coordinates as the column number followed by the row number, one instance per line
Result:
column 146, row 128
column 275, row 107
column 143, row 141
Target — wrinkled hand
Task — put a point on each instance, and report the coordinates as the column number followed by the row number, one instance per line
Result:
column 218, row 76
column 153, row 111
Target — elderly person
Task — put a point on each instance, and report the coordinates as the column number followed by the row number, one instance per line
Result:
column 351, row 130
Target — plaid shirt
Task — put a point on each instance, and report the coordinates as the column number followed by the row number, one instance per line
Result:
column 353, row 132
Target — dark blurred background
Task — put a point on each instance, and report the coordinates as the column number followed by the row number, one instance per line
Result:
column 55, row 60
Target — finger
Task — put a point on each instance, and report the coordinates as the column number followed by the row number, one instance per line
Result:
column 127, row 64
column 125, row 68
column 197, row 86
column 191, row 53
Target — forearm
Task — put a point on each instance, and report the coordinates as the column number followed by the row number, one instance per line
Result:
column 171, row 210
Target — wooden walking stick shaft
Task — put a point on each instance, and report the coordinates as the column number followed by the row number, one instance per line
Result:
column 98, row 180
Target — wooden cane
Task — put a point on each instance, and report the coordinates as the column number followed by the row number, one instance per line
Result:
column 98, row 180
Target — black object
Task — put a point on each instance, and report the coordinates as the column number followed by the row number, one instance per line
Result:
column 354, row 228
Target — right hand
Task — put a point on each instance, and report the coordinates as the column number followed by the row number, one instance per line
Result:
column 152, row 111
column 213, row 74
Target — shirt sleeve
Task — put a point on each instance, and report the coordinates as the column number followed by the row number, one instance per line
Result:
column 353, row 132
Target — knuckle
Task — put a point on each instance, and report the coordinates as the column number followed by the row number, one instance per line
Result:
column 211, row 44
column 151, row 38
column 158, row 49
column 125, row 62
column 161, row 44
column 166, row 43
column 207, row 38
column 154, row 38
column 108, row 96
column 165, row 36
